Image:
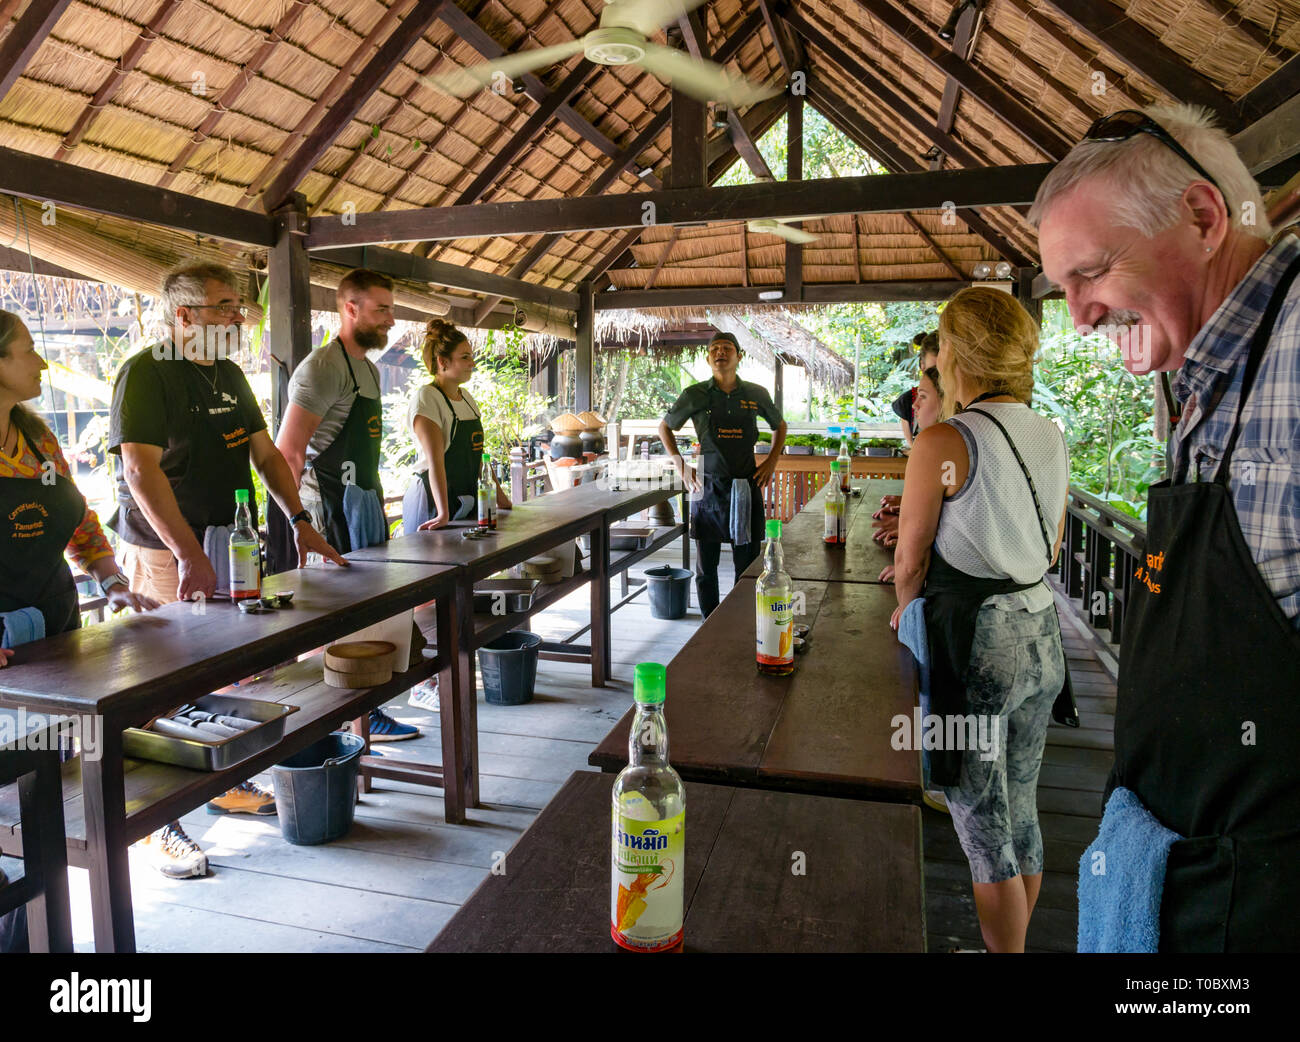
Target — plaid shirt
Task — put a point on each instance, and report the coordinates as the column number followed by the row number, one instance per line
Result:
column 1264, row 479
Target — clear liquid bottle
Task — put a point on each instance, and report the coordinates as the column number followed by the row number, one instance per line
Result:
column 245, row 552
column 648, row 841
column 486, row 494
column 845, row 458
column 774, row 608
column 836, row 529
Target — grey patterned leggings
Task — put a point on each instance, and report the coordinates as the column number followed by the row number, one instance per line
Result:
column 1016, row 671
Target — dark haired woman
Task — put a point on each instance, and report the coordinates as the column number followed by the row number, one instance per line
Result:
column 42, row 516
column 448, row 435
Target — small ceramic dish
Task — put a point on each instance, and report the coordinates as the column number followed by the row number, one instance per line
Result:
column 284, row 598
column 250, row 606
column 801, row 630
column 800, row 645
column 267, row 602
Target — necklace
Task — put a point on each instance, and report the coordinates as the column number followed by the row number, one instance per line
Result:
column 216, row 375
column 4, row 442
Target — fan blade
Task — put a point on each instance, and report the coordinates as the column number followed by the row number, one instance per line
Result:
column 646, row 17
column 768, row 226
column 466, row 81
column 701, row 79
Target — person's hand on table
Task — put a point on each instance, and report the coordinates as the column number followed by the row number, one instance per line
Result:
column 893, row 619
column 119, row 598
column 885, row 529
column 886, row 574
column 433, row 523
column 689, row 478
column 5, row 655
column 196, row 578
column 308, row 540
column 888, row 505
column 765, row 471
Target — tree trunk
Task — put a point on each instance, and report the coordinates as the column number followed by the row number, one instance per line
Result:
column 610, row 412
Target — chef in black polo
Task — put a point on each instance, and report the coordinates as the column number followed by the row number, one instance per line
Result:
column 725, row 411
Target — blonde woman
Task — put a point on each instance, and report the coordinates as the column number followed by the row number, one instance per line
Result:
column 980, row 523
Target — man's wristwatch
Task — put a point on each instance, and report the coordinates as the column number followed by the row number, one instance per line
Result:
column 116, row 579
column 302, row 515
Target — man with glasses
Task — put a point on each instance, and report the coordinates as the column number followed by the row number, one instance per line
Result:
column 1157, row 234
column 186, row 425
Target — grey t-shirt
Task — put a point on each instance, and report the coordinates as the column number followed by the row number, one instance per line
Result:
column 322, row 385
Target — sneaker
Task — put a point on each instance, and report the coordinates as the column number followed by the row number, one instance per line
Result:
column 383, row 728
column 425, row 696
column 935, row 799
column 245, row 798
column 174, row 854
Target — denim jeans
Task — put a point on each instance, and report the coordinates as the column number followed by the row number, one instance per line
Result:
column 1015, row 672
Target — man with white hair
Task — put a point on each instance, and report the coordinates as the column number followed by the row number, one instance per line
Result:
column 1156, row 232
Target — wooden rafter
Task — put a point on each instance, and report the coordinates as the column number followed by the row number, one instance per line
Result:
column 788, row 47
column 227, row 98
column 814, row 293
column 25, row 39
column 929, row 241
column 1069, row 95
column 663, row 256
column 987, row 91
column 351, row 87
column 108, row 89
column 962, row 47
column 1282, row 85
column 1142, row 51
column 794, row 172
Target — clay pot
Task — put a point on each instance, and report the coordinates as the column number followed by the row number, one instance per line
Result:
column 565, row 445
column 593, row 441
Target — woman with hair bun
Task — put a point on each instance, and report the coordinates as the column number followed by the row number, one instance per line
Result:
column 448, row 435
column 980, row 523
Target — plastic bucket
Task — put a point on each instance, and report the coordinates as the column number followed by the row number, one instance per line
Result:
column 316, row 790
column 670, row 591
column 509, row 666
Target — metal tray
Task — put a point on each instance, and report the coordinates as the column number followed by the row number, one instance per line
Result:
column 217, row 755
column 518, row 593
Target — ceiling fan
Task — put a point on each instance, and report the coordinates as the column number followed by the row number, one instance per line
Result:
column 621, row 39
column 782, row 230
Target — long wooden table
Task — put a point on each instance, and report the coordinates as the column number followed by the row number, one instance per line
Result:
column 765, row 872
column 530, row 528
column 824, row 729
column 121, row 674
column 808, row 557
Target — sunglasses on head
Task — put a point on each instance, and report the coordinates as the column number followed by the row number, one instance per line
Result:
column 1121, row 126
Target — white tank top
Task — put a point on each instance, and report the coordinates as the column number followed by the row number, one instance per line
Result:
column 989, row 527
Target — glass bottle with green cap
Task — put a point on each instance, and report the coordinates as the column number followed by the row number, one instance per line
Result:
column 649, row 829
column 774, row 608
column 245, row 552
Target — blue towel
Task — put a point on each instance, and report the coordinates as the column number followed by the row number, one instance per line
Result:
column 216, row 548
column 740, row 511
column 913, row 636
column 365, row 517
column 21, row 626
column 1119, row 909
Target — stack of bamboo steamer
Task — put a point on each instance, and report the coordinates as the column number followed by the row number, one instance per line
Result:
column 359, row 663
column 544, row 569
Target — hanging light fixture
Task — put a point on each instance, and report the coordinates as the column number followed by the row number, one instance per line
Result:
column 982, row 270
column 949, row 28
column 1002, row 270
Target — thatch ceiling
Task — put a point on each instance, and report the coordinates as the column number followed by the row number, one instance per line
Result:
column 215, row 98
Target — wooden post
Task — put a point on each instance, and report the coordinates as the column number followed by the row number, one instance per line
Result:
column 290, row 300
column 794, row 172
column 518, row 487
column 778, row 386
column 585, row 342
column 857, row 370
column 689, row 156
column 1025, row 294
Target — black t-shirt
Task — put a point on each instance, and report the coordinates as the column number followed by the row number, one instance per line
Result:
column 728, row 451
column 202, row 417
column 902, row 405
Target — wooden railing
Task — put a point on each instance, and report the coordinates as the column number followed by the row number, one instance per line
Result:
column 1098, row 565
column 798, row 478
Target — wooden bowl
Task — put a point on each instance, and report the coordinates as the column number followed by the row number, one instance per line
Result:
column 370, row 657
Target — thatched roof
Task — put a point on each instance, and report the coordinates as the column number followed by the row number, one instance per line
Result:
column 213, row 97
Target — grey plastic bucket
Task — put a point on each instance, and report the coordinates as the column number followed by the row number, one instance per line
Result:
column 316, row 789
column 670, row 591
column 509, row 666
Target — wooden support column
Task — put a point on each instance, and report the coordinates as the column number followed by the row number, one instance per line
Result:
column 689, row 156
column 553, row 376
column 585, row 341
column 778, row 385
column 289, row 301
column 794, row 172
column 1025, row 294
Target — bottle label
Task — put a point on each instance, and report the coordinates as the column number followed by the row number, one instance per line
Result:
column 245, row 571
column 834, row 521
column 648, row 869
column 775, row 629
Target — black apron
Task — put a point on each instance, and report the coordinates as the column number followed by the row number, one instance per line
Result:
column 462, row 459
column 1208, row 713
column 36, row 521
column 210, row 465
column 359, row 443
column 711, row 510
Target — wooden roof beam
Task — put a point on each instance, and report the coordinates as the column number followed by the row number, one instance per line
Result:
column 897, row 160
column 794, row 172
column 352, row 86
column 1143, row 52
column 961, row 47
column 108, row 89
column 814, row 293
column 789, row 48
column 696, row 39
column 74, row 186
column 464, row 26
column 233, row 91
column 997, row 99
column 1271, row 92
column 668, row 248
column 25, row 39
column 882, row 193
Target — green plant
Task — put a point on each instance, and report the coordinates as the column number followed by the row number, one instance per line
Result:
column 502, row 388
